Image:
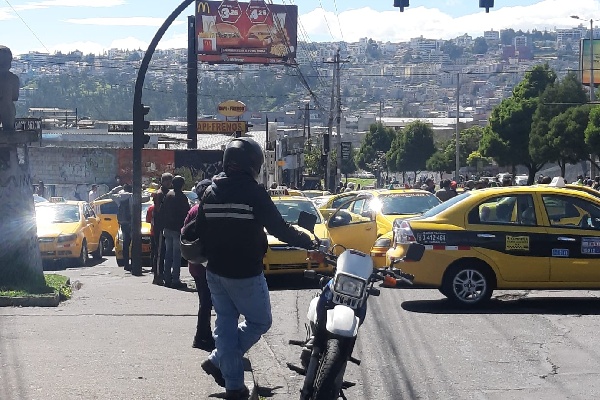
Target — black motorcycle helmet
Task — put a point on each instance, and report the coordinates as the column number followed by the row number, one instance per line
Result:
column 243, row 155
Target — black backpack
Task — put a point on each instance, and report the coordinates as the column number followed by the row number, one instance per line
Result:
column 124, row 212
column 191, row 245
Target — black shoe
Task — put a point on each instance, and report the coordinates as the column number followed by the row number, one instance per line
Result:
column 158, row 280
column 214, row 371
column 178, row 285
column 127, row 268
column 204, row 344
column 237, row 394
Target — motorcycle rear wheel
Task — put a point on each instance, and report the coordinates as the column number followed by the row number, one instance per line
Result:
column 330, row 376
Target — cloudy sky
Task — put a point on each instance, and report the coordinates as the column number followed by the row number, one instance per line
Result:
column 94, row 26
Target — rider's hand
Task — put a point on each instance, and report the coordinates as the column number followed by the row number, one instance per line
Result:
column 316, row 257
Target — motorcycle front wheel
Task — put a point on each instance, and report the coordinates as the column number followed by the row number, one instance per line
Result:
column 330, row 376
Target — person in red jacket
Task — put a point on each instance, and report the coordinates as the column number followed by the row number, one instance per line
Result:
column 203, row 339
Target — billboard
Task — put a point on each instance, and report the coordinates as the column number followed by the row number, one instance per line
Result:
column 585, row 61
column 214, row 126
column 232, row 32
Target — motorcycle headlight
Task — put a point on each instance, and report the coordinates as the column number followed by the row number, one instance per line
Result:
column 349, row 285
column 67, row 238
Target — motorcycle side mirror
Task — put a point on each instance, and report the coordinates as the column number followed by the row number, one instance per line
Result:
column 414, row 252
column 307, row 221
column 310, row 274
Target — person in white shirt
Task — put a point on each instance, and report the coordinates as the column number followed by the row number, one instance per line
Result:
column 93, row 195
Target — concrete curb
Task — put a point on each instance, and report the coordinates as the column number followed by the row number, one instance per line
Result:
column 49, row 300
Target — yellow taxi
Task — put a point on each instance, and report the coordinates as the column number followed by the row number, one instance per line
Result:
column 106, row 210
column 280, row 257
column 68, row 230
column 146, row 240
column 518, row 237
column 342, row 228
column 584, row 188
column 389, row 205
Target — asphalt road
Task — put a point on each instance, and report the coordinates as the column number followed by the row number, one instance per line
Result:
column 414, row 345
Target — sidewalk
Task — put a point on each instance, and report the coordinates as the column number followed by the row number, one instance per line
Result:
column 119, row 337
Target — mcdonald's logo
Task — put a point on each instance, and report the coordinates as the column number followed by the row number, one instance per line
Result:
column 203, row 7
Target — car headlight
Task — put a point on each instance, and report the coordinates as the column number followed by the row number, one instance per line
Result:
column 67, row 238
column 349, row 285
column 383, row 242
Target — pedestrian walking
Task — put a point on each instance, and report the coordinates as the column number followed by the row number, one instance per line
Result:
column 236, row 209
column 175, row 208
column 445, row 192
column 93, row 194
column 203, row 339
column 158, row 266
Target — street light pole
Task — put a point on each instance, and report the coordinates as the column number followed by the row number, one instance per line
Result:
column 457, row 169
column 592, row 94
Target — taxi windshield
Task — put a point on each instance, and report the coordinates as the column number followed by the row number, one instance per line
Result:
column 57, row 213
column 404, row 203
column 290, row 210
column 445, row 205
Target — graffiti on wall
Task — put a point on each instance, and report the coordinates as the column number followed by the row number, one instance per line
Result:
column 202, row 163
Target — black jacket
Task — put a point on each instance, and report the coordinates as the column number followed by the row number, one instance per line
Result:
column 174, row 209
column 231, row 224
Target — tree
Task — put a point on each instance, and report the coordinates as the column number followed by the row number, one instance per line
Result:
column 592, row 132
column 312, row 160
column 477, row 160
column 411, row 148
column 379, row 138
column 551, row 145
column 480, row 46
column 567, row 134
column 506, row 138
column 349, row 166
column 453, row 51
column 440, row 162
column 507, row 36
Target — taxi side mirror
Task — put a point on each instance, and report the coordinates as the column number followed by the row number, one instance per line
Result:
column 340, row 218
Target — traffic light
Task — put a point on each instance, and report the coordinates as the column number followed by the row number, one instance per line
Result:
column 401, row 4
column 326, row 143
column 487, row 4
column 140, row 125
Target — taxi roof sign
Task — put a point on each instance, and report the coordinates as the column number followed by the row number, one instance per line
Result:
column 558, row 181
column 56, row 199
column 279, row 191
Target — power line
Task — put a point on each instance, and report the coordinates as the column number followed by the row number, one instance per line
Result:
column 337, row 14
column 28, row 27
column 326, row 22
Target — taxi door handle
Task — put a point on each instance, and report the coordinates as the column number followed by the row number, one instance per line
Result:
column 486, row 235
column 368, row 229
column 108, row 219
column 566, row 239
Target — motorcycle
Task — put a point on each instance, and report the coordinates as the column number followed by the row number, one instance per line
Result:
column 335, row 316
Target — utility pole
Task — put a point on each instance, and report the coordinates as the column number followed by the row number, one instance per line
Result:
column 327, row 140
column 338, row 143
column 332, row 180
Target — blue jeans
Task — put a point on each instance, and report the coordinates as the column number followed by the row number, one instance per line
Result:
column 172, row 255
column 231, row 298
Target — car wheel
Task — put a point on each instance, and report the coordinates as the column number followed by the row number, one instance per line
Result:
column 108, row 243
column 99, row 251
column 83, row 256
column 467, row 285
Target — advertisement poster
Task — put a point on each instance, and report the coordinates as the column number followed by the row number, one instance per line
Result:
column 232, row 32
column 585, row 61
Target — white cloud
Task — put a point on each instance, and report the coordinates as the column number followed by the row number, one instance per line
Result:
column 122, row 21
column 432, row 23
column 175, row 42
column 68, row 3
